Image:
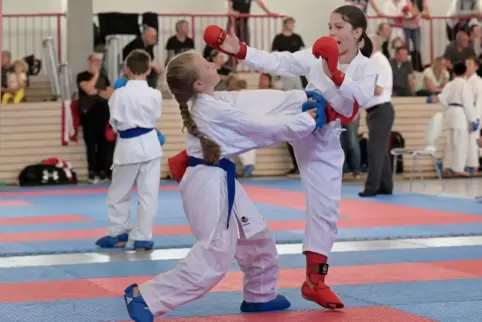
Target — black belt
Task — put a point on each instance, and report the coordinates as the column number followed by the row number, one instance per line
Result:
column 374, row 107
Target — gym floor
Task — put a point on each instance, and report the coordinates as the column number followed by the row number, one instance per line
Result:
column 414, row 256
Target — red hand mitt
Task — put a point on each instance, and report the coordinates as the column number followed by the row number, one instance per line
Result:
column 214, row 36
column 327, row 48
column 178, row 165
column 332, row 115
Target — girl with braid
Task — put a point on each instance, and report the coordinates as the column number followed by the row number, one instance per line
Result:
column 223, row 219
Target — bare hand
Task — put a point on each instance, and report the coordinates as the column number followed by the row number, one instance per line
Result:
column 435, row 99
column 479, row 142
column 312, row 113
column 326, row 69
column 378, row 90
column 231, row 43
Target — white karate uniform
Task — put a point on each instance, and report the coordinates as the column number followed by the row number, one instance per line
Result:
column 263, row 101
column 204, row 196
column 320, row 156
column 458, row 101
column 475, row 84
column 137, row 161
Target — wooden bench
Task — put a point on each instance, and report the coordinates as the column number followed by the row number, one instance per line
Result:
column 30, row 132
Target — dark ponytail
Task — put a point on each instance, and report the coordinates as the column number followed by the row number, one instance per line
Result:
column 367, row 48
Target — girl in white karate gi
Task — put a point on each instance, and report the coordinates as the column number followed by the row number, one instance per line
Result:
column 346, row 85
column 222, row 217
column 134, row 112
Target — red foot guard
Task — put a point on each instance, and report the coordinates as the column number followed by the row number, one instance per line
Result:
column 314, row 288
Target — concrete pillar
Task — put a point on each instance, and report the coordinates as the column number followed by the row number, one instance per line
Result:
column 80, row 34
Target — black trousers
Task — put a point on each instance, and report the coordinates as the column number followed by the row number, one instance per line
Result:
column 97, row 148
column 379, row 121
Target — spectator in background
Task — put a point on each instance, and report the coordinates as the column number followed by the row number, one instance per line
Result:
column 219, row 60
column 412, row 30
column 6, row 65
column 384, row 31
column 475, row 39
column 241, row 24
column 363, row 5
column 289, row 41
column 232, row 82
column 180, row 42
column 146, row 42
column 396, row 11
column 434, row 78
column 16, row 82
column 458, row 50
column 380, row 117
column 462, row 8
column 94, row 91
column 403, row 75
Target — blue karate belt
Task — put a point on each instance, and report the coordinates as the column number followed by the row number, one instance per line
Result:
column 230, row 169
column 134, row 132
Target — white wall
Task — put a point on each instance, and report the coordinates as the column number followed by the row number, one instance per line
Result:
column 23, row 35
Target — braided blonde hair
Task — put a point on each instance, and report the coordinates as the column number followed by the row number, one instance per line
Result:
column 181, row 75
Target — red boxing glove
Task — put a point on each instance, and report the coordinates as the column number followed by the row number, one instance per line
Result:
column 110, row 135
column 215, row 36
column 327, row 48
column 332, row 115
column 178, row 165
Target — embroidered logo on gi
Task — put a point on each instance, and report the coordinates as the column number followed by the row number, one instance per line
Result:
column 244, row 219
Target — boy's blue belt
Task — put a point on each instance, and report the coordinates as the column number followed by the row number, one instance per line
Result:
column 230, row 169
column 134, row 132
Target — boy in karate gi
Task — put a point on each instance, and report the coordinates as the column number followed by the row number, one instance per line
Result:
column 461, row 120
column 134, row 112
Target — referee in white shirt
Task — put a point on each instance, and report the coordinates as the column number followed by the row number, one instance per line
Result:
column 380, row 117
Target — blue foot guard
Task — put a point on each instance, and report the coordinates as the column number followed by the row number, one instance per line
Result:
column 111, row 242
column 136, row 306
column 278, row 304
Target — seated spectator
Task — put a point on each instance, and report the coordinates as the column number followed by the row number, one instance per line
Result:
column 397, row 42
column 265, row 81
column 403, row 75
column 6, row 65
column 16, row 82
column 180, row 42
column 219, row 59
column 94, row 91
column 475, row 39
column 434, row 78
column 146, row 42
column 232, row 83
column 242, row 84
column 458, row 50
